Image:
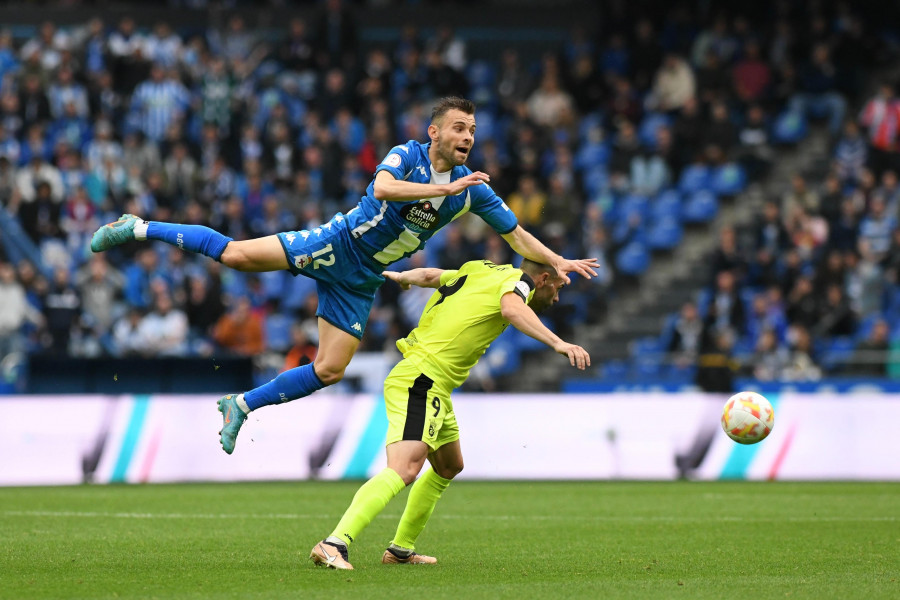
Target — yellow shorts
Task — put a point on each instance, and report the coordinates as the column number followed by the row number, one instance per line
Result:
column 418, row 408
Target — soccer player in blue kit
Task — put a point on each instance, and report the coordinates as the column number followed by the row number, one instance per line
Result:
column 418, row 189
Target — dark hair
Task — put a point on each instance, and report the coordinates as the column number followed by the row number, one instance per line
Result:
column 535, row 268
column 451, row 103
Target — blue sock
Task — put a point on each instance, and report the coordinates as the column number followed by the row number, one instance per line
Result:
column 195, row 238
column 290, row 385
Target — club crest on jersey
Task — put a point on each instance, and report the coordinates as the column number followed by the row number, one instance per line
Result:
column 420, row 216
column 302, row 260
column 392, row 160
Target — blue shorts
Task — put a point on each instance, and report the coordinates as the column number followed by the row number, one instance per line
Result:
column 346, row 280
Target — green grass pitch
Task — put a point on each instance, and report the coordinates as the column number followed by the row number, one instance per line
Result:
column 494, row 540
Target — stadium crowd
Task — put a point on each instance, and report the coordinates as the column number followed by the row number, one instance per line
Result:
column 604, row 147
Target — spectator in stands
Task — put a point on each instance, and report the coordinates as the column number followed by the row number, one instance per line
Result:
column 752, row 75
column 203, row 305
column 800, row 196
column 689, row 129
column 876, row 227
column 126, row 339
column 850, row 154
column 646, row 54
column 836, row 317
column 871, row 353
column 158, row 102
column 727, row 256
column 881, row 118
column 801, row 366
column 15, row 311
column 719, row 131
column 62, row 307
column 550, row 105
column 673, row 85
column 892, row 259
column 41, row 215
column 864, row 280
column 769, row 357
column 687, row 336
column 715, row 366
column 726, row 310
column 303, row 351
column 817, row 92
column 163, row 332
column 240, row 330
column 755, row 152
column 99, row 286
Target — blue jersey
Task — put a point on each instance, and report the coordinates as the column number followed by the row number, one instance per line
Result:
column 388, row 231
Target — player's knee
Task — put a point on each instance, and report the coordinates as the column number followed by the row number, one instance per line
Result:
column 408, row 475
column 329, row 373
column 451, row 470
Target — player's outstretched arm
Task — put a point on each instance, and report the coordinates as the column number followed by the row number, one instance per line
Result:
column 531, row 248
column 430, row 278
column 394, row 190
column 514, row 310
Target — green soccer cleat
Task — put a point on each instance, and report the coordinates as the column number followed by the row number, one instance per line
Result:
column 115, row 233
column 232, row 419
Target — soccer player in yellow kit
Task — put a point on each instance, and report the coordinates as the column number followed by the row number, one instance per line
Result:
column 469, row 309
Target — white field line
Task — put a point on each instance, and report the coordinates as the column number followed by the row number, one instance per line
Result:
column 474, row 517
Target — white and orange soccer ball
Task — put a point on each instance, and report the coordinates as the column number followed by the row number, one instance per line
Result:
column 748, row 418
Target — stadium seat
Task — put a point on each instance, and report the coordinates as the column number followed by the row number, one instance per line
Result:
column 615, row 370
column 700, row 207
column 789, row 128
column 665, row 234
column 729, row 180
column 592, row 154
column 866, row 325
column 632, row 205
column 633, row 259
column 650, row 126
column 646, row 347
column 836, row 352
column 666, row 205
column 595, row 180
column 297, row 290
column 694, row 178
column 278, row 332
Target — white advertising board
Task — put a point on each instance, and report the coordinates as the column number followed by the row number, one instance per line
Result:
column 72, row 439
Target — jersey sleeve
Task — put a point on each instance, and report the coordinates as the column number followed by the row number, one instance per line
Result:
column 398, row 162
column 490, row 207
column 447, row 275
column 518, row 283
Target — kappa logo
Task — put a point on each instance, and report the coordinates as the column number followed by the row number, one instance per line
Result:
column 422, row 170
column 305, row 234
column 357, row 327
column 290, row 238
column 339, row 218
column 317, row 231
column 302, row 260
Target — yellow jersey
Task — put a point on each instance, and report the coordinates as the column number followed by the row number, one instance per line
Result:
column 462, row 318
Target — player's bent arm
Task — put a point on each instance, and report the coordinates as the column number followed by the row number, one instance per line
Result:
column 387, row 187
column 520, row 316
column 531, row 248
column 425, row 277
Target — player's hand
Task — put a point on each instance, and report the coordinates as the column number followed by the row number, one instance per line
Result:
column 458, row 186
column 578, row 356
column 398, row 277
column 583, row 266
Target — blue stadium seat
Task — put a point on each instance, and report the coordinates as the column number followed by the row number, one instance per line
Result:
column 502, row 358
column 646, row 347
column 634, row 205
column 595, row 180
column 297, row 290
column 633, row 259
column 665, row 234
column 789, row 128
column 700, row 207
column 729, row 180
column 836, row 351
column 649, row 127
column 615, row 370
column 278, row 332
column 666, row 205
column 694, row 178
column 592, row 154
column 866, row 325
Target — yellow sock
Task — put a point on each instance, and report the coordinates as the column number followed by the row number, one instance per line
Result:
column 423, row 497
column 369, row 500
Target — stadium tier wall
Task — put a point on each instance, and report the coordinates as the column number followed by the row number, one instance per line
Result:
column 653, row 436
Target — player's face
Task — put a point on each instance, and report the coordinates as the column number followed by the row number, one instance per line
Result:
column 455, row 137
column 546, row 295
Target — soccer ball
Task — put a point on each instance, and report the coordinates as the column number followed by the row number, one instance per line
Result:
column 748, row 418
